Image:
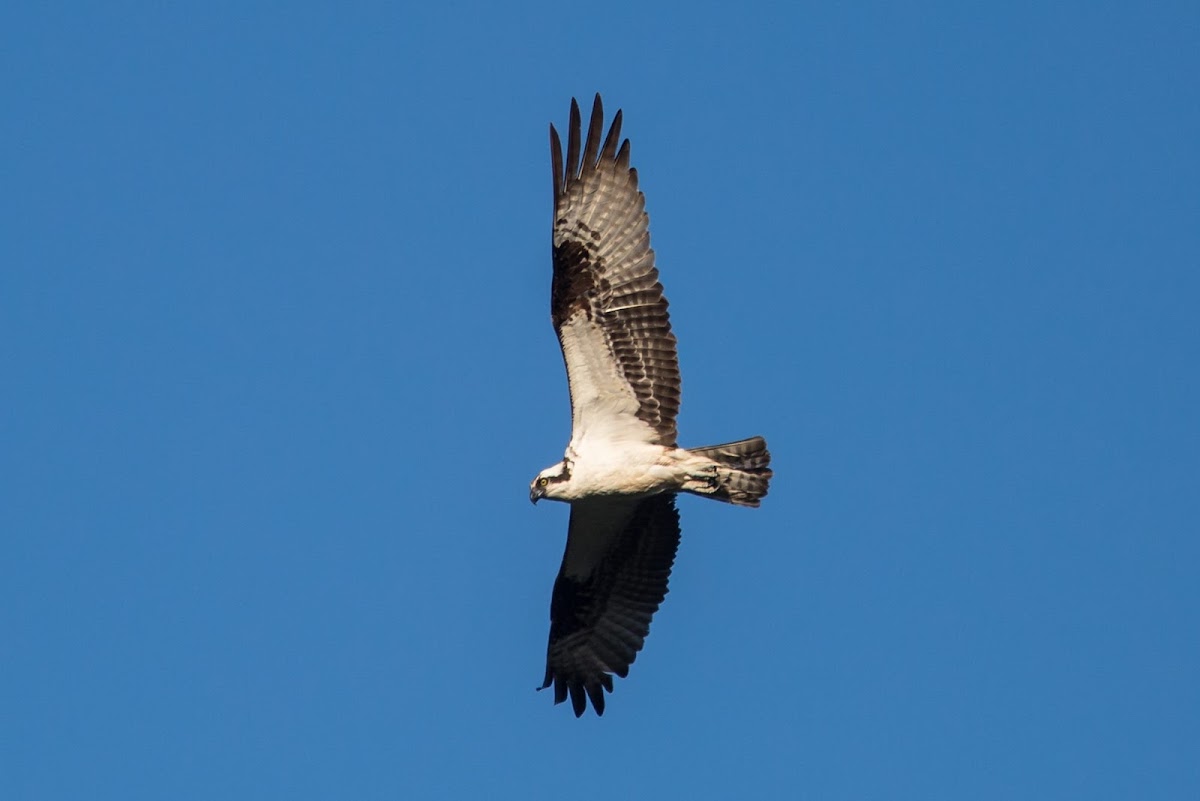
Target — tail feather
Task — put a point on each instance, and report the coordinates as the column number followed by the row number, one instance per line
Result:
column 743, row 471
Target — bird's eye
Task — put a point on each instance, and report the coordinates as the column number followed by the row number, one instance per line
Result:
column 543, row 482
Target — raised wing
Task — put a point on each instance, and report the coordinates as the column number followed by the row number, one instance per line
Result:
column 613, row 577
column 606, row 302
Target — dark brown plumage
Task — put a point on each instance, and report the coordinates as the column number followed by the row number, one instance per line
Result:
column 604, row 266
column 599, row 618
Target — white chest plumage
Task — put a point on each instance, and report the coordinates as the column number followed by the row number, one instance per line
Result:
column 603, row 467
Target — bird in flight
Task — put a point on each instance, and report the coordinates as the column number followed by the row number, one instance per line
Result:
column 622, row 467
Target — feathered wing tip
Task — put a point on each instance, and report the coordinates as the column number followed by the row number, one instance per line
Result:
column 581, row 693
column 572, row 169
column 743, row 471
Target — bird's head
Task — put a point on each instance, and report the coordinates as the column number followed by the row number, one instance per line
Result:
column 549, row 481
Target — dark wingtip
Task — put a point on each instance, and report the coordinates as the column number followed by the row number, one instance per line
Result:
column 583, row 153
column 578, row 700
column 591, row 148
column 556, row 163
column 596, row 694
column 573, row 135
column 609, row 151
column 578, row 692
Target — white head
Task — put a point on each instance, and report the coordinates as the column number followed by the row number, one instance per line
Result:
column 550, row 482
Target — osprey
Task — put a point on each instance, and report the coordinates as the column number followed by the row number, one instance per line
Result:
column 622, row 468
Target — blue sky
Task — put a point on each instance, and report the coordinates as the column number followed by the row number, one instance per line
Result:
column 278, row 369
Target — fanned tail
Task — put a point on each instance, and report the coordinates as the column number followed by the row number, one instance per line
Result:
column 743, row 471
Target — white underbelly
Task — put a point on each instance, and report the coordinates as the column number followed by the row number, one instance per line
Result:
column 639, row 469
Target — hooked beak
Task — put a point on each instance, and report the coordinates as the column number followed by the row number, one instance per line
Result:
column 534, row 494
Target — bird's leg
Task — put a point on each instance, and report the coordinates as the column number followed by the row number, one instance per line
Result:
column 704, row 480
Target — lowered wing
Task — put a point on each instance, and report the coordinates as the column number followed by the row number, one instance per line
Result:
column 613, row 577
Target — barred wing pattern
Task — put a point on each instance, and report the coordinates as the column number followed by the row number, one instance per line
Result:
column 613, row 578
column 606, row 302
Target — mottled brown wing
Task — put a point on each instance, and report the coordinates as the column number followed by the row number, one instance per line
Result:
column 606, row 302
column 613, row 578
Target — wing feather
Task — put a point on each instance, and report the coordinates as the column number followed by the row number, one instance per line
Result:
column 592, row 148
column 607, row 304
column 556, row 164
column 573, row 141
column 613, row 578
